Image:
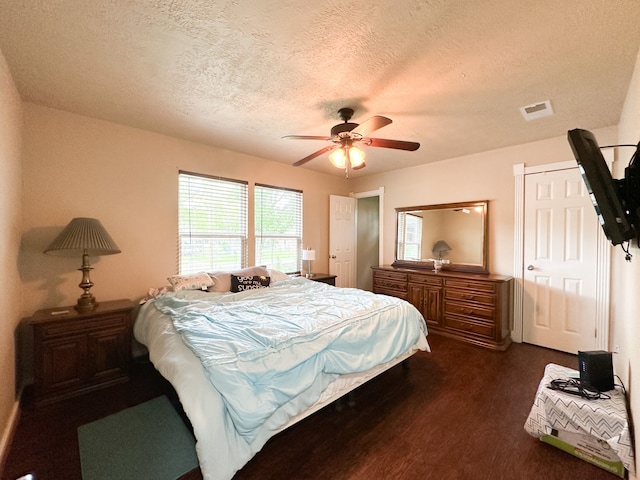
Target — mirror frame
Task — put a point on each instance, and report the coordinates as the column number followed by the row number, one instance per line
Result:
column 457, row 267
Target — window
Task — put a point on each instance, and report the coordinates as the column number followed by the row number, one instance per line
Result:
column 278, row 227
column 212, row 223
column 412, row 228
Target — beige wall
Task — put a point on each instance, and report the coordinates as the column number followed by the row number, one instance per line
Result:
column 77, row 166
column 10, row 219
column 626, row 276
column 483, row 176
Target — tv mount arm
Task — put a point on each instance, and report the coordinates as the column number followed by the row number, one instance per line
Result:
column 629, row 190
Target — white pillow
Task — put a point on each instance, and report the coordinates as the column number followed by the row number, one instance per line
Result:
column 198, row 281
column 277, row 275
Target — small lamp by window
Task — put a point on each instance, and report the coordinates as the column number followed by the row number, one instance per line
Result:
column 83, row 237
column 308, row 256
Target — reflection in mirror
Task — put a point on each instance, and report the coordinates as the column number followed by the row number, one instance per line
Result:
column 449, row 236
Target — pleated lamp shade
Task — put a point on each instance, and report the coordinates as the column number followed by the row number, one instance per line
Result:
column 83, row 236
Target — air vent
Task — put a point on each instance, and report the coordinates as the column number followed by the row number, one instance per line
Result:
column 537, row 110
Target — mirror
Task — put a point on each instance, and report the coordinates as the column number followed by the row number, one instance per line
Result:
column 450, row 236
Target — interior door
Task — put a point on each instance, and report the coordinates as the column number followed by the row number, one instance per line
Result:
column 560, row 260
column 342, row 240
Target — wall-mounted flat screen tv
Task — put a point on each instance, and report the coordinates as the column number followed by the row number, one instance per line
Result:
column 605, row 192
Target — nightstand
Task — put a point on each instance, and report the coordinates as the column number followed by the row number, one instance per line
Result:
column 324, row 278
column 77, row 353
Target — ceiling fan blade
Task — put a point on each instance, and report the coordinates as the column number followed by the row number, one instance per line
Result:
column 397, row 144
column 306, row 137
column 313, row 155
column 371, row 125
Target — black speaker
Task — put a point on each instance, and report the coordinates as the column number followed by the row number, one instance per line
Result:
column 596, row 369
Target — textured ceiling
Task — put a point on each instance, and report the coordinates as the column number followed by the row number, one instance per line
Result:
column 241, row 74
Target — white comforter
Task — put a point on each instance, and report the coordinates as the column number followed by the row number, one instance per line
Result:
column 269, row 354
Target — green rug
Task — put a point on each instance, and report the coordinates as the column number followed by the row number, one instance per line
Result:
column 148, row 441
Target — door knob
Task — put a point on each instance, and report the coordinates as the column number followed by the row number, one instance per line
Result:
column 531, row 267
column 332, row 257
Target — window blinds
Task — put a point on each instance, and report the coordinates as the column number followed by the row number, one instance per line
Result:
column 278, row 227
column 212, row 223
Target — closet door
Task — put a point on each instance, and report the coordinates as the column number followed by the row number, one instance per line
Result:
column 560, row 260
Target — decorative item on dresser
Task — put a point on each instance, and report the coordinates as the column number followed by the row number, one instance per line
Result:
column 473, row 307
column 78, row 352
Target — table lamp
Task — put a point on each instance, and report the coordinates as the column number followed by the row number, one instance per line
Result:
column 83, row 237
column 308, row 255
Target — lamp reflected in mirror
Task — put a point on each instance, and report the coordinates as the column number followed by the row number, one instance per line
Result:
column 440, row 249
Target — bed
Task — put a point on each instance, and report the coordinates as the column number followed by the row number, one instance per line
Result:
column 248, row 364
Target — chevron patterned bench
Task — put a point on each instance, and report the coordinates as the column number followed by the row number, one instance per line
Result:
column 594, row 430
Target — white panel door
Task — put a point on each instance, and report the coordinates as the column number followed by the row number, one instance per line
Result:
column 560, row 260
column 342, row 240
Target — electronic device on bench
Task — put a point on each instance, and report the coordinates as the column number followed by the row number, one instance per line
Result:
column 596, row 369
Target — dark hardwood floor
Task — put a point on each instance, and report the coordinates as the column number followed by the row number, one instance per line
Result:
column 455, row 413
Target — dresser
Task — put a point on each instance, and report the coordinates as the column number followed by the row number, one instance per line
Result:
column 475, row 308
column 77, row 353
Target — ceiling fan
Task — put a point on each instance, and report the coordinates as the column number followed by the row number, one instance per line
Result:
column 345, row 136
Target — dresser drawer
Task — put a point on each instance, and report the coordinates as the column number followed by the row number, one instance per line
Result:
column 456, row 323
column 425, row 280
column 395, row 281
column 464, row 296
column 464, row 284
column 469, row 310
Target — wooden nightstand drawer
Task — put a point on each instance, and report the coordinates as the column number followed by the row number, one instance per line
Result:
column 324, row 278
column 78, row 353
column 70, row 327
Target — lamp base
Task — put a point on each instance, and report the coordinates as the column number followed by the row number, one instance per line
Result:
column 86, row 304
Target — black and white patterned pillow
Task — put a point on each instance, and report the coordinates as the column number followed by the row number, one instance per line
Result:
column 241, row 283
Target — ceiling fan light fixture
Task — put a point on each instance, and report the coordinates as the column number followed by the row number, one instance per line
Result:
column 356, row 158
column 344, row 135
column 338, row 158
